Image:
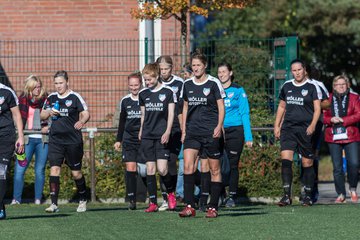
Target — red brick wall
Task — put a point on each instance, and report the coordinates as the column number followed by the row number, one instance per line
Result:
column 67, row 19
column 101, row 83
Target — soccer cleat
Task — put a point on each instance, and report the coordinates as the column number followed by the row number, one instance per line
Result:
column 52, row 209
column 82, row 206
column 164, row 206
column 315, row 195
column 132, row 205
column 354, row 197
column 14, row 202
column 230, row 203
column 171, row 201
column 307, row 202
column 285, row 201
column 37, row 201
column 3, row 213
column 340, row 199
column 211, row 213
column 188, row 211
column 153, row 207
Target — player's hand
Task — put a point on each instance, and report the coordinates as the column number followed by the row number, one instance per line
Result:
column 277, row 132
column 45, row 129
column 165, row 138
column 78, row 125
column 217, row 132
column 310, row 130
column 20, row 144
column 183, row 134
column 117, row 146
column 139, row 136
column 249, row 144
column 54, row 112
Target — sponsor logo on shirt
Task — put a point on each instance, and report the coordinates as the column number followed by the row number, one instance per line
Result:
column 2, row 100
column 295, row 100
column 206, row 91
column 68, row 103
column 304, row 92
column 162, row 97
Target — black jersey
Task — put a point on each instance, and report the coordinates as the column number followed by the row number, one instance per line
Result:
column 299, row 99
column 8, row 100
column 202, row 116
column 130, row 120
column 62, row 130
column 156, row 104
column 176, row 83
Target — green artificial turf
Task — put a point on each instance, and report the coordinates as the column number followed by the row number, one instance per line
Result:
column 114, row 221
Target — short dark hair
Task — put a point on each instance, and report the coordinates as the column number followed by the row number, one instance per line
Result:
column 61, row 73
column 297, row 60
column 198, row 55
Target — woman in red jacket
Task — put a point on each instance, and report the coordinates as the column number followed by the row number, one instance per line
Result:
column 342, row 133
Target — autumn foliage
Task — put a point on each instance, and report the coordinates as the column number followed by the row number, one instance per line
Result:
column 165, row 9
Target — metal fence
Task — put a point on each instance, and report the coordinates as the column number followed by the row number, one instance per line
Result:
column 98, row 68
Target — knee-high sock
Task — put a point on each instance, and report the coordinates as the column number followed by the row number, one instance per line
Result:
column 151, row 185
column 309, row 178
column 189, row 185
column 205, row 187
column 287, row 175
column 216, row 188
column 54, row 189
column 131, row 185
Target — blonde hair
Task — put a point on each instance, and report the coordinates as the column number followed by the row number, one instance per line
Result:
column 152, row 69
column 341, row 77
column 30, row 84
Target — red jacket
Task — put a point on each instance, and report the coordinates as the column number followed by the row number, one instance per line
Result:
column 350, row 121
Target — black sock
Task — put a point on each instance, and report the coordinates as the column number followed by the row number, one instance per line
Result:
column 81, row 187
column 205, row 187
column 168, row 182
column 54, row 189
column 174, row 181
column 216, row 188
column 163, row 189
column 287, row 175
column 3, row 184
column 131, row 185
column 309, row 177
column 233, row 181
column 151, row 186
column 189, row 186
column 197, row 176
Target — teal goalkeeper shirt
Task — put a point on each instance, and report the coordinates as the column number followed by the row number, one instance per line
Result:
column 237, row 110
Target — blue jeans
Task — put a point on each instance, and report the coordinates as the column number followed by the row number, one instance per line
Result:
column 180, row 178
column 35, row 145
column 352, row 159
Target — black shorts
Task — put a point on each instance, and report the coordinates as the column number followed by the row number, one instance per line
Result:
column 174, row 143
column 130, row 152
column 152, row 150
column 234, row 143
column 7, row 148
column 296, row 140
column 208, row 147
column 70, row 154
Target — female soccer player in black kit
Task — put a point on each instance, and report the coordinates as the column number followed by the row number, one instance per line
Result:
column 203, row 117
column 296, row 119
column 128, row 134
column 65, row 138
column 157, row 103
column 175, row 83
column 9, row 113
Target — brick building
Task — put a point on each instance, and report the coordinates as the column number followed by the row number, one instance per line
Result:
column 96, row 41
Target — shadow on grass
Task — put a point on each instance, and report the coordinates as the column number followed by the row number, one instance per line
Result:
column 238, row 214
column 240, row 209
column 39, row 216
column 107, row 209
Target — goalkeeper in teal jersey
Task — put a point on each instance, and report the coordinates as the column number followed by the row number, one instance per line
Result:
column 236, row 125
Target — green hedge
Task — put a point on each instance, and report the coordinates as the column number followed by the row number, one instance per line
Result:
column 259, row 171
